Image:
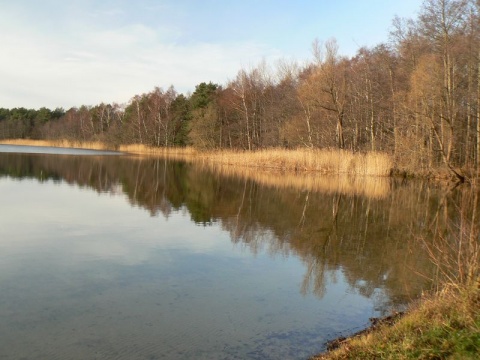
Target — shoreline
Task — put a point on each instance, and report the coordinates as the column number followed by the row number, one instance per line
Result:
column 242, row 166
column 321, row 161
column 302, row 160
column 343, row 341
column 445, row 324
column 294, row 161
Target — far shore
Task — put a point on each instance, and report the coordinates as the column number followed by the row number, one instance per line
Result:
column 273, row 168
column 323, row 161
column 290, row 161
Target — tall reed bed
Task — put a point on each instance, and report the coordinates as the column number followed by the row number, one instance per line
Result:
column 323, row 161
column 299, row 160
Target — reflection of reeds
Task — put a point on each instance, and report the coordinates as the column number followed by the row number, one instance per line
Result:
column 372, row 187
column 455, row 250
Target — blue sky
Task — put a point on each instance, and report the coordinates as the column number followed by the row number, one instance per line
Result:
column 58, row 53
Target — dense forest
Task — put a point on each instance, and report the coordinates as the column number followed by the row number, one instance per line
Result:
column 416, row 97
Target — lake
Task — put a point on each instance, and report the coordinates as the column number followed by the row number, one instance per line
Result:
column 111, row 256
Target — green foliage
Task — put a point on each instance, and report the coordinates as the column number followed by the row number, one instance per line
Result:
column 203, row 95
column 180, row 109
column 4, row 114
column 43, row 115
column 23, row 123
column 203, row 117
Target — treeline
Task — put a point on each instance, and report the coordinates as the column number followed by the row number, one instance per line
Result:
column 416, row 97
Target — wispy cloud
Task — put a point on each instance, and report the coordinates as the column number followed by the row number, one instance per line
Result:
column 110, row 65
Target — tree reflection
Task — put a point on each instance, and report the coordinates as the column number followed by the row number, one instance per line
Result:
column 370, row 239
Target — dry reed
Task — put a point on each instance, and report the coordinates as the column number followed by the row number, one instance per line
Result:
column 322, row 161
column 299, row 160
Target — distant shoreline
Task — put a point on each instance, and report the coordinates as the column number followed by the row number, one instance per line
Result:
column 294, row 161
column 272, row 173
column 329, row 161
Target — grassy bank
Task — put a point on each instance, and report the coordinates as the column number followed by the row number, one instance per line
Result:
column 298, row 160
column 442, row 326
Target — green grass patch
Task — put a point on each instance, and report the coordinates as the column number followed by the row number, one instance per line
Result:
column 442, row 326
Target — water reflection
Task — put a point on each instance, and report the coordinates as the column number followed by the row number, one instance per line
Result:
column 356, row 243
column 368, row 237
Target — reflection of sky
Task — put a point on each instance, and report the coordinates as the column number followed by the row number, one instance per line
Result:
column 83, row 272
column 63, row 217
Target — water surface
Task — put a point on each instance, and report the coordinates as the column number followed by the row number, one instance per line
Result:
column 142, row 258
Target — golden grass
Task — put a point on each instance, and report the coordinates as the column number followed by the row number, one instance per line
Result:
column 298, row 160
column 322, row 161
column 355, row 174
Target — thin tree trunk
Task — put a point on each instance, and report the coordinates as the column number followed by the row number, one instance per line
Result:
column 478, row 114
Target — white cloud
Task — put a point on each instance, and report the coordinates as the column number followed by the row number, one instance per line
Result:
column 86, row 64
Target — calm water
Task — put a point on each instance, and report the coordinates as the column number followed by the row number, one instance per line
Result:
column 116, row 257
